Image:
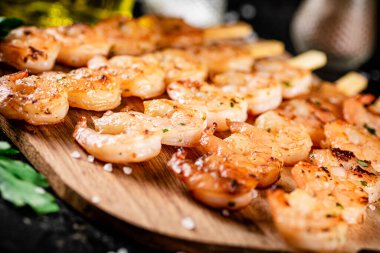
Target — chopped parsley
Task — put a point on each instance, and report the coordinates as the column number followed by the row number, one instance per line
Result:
column 232, row 104
column 286, row 84
column 165, row 130
column 182, row 124
column 364, row 183
column 339, row 205
column 363, row 163
column 370, row 129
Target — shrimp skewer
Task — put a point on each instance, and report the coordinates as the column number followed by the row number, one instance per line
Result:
column 249, row 147
column 35, row 99
column 138, row 144
column 261, row 93
column 311, row 113
column 293, row 139
column 306, row 222
column 29, row 48
column 180, row 65
column 356, row 113
column 219, row 106
column 79, row 43
column 91, row 89
column 344, row 136
column 179, row 125
column 138, row 76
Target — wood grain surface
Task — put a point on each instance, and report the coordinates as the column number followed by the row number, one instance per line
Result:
column 150, row 204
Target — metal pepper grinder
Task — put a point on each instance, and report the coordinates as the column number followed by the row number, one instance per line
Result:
column 343, row 29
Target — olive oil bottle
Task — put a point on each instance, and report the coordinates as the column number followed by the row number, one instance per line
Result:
column 64, row 12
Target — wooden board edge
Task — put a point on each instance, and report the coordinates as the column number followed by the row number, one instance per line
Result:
column 154, row 240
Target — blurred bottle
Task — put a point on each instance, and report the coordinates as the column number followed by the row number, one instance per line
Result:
column 200, row 13
column 64, row 12
column 343, row 29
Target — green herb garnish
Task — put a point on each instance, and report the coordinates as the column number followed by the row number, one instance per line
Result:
column 370, row 129
column 286, row 84
column 8, row 24
column 339, row 205
column 165, row 130
column 21, row 185
column 363, row 163
column 364, row 183
column 182, row 124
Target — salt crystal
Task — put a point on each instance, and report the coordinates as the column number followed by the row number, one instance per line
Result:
column 95, row 199
column 90, row 158
column 75, row 154
column 255, row 193
column 225, row 212
column 122, row 250
column 188, row 223
column 107, row 167
column 372, row 207
column 27, row 221
column 127, row 170
column 39, row 190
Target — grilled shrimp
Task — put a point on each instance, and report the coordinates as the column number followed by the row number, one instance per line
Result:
column 35, row 99
column 258, row 146
column 244, row 149
column 179, row 65
column 356, row 113
column 293, row 139
column 138, row 76
column 137, row 144
column 91, row 89
column 306, row 222
column 29, row 48
column 179, row 125
column 130, row 36
column 219, row 106
column 312, row 113
column 261, row 93
column 344, row 136
column 175, row 32
column 343, row 165
column 325, row 184
column 214, row 180
column 222, row 57
column 79, row 43
column 295, row 81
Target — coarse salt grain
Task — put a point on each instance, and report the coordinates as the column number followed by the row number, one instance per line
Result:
column 75, row 154
column 254, row 193
column 95, row 199
column 107, row 167
column 90, row 158
column 127, row 170
column 372, row 207
column 188, row 223
column 122, row 250
column 225, row 212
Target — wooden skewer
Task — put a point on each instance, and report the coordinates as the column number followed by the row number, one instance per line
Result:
column 266, row 48
column 352, row 83
column 311, row 60
column 224, row 32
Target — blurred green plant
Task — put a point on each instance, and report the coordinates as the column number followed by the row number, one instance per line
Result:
column 64, row 12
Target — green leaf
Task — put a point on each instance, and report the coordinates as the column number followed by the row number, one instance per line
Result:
column 5, row 149
column 21, row 185
column 22, row 193
column 8, row 24
column 23, row 171
column 363, row 163
column 370, row 129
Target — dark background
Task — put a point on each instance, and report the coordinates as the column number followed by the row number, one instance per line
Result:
column 67, row 231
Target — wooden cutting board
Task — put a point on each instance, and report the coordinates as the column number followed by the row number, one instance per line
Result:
column 150, row 204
